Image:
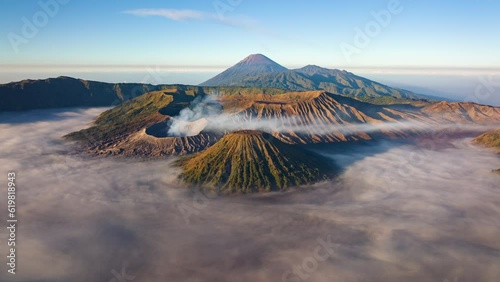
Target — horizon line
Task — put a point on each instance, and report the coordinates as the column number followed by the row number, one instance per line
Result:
column 407, row 70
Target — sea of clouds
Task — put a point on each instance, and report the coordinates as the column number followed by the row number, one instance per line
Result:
column 399, row 211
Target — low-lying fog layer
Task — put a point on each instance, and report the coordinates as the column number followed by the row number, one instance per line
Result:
column 398, row 212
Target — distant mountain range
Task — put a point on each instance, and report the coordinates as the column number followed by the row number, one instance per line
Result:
column 67, row 92
column 258, row 70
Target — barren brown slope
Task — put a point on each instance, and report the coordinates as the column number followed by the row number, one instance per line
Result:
column 316, row 117
column 252, row 161
column 463, row 112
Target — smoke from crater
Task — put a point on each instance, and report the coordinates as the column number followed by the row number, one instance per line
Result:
column 193, row 119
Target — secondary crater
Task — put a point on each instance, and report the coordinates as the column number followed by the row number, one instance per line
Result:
column 172, row 127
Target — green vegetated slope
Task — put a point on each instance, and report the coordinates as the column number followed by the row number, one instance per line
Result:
column 124, row 119
column 336, row 81
column 490, row 139
column 250, row 161
column 145, row 110
column 390, row 100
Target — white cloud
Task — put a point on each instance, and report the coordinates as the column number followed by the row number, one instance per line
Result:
column 239, row 21
column 172, row 14
column 437, row 222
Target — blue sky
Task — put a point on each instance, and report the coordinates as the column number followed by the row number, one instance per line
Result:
column 191, row 40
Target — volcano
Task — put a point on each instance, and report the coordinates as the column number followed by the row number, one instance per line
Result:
column 259, row 71
column 249, row 161
column 253, row 65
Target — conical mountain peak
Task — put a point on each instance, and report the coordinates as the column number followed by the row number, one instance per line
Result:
column 253, row 65
column 258, row 59
column 250, row 161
